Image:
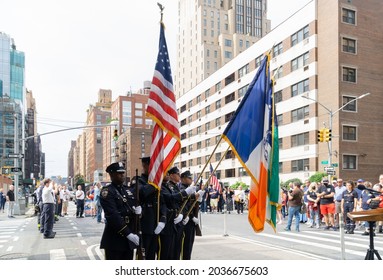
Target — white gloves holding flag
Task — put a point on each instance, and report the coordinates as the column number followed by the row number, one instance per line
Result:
column 159, row 228
column 195, row 220
column 190, row 190
column 186, row 220
column 134, row 238
column 137, row 210
column 178, row 219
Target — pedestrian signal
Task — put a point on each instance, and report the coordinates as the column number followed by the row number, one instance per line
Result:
column 115, row 135
column 321, row 135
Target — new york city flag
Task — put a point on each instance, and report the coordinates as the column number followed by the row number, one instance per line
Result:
column 252, row 133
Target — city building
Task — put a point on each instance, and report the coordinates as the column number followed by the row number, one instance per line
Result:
column 327, row 52
column 96, row 115
column 211, row 33
column 128, row 112
column 71, row 162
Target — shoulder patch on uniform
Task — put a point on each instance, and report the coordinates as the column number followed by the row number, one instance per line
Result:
column 104, row 192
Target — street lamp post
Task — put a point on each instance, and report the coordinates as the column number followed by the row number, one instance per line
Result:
column 331, row 115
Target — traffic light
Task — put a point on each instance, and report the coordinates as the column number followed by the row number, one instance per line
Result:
column 115, row 135
column 321, row 135
column 327, row 135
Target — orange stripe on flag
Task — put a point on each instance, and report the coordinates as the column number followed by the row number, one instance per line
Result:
column 257, row 201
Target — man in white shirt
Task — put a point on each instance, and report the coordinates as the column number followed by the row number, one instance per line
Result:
column 80, row 196
column 47, row 216
column 65, row 197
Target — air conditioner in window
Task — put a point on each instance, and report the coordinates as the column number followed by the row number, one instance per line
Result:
column 306, row 121
column 306, row 68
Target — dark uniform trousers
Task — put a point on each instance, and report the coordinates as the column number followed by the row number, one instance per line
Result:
column 349, row 207
column 188, row 240
column 117, row 202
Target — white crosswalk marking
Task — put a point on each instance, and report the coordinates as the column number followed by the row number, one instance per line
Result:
column 10, row 248
column 57, row 254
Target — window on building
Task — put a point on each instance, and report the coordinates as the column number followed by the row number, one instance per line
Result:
column 190, row 119
column 278, row 49
column 300, row 139
column 300, row 88
column 349, row 133
column 138, row 105
column 278, row 73
column 207, row 142
column 243, row 71
column 183, row 136
column 349, row 74
column 228, row 55
column 190, row 104
column 349, row 45
column 138, row 113
column 183, row 108
column 218, row 156
column 138, row 121
column 190, row 162
column 229, row 79
column 183, row 150
column 229, row 173
column 242, row 91
column 258, row 61
column 207, row 93
column 218, row 104
column 190, row 133
column 229, row 98
column 300, row 165
column 190, row 148
column 281, row 167
column 300, row 114
column 198, row 114
column 228, row 43
column 242, row 172
column 207, row 126
column 98, row 117
column 218, row 121
column 217, row 138
column 199, row 145
column 199, row 161
column 280, row 143
column 207, row 109
column 351, row 106
column 199, row 130
column 240, row 43
column 349, row 162
column 280, row 119
column 300, row 61
column 215, row 54
column 199, row 98
column 218, row 86
column 348, row 16
column 183, row 122
column 228, row 116
column 278, row 96
column 300, row 35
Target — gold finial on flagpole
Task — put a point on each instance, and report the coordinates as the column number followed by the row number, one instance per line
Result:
column 162, row 9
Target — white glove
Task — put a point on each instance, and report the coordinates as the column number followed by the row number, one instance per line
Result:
column 195, row 220
column 200, row 193
column 137, row 210
column 178, row 219
column 134, row 238
column 159, row 228
column 186, row 220
column 190, row 190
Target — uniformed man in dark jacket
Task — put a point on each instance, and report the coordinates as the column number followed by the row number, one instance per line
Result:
column 190, row 214
column 120, row 208
column 149, row 201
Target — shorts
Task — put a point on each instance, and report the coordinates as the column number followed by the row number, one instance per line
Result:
column 327, row 208
column 214, row 202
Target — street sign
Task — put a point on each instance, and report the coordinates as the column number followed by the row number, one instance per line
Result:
column 328, row 168
column 15, row 169
column 15, row 155
column 335, row 164
column 324, row 162
column 330, row 172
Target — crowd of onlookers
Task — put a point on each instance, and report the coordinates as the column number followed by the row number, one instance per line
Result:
column 325, row 204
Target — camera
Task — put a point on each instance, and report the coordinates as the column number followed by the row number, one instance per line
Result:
column 290, row 191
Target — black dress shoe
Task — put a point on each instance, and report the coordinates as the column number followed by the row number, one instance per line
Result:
column 49, row 236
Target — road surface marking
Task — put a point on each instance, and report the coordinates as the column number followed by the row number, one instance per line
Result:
column 22, row 229
column 10, row 248
column 5, row 236
column 79, row 234
column 58, row 254
column 16, row 238
column 83, row 242
column 3, row 241
column 75, row 228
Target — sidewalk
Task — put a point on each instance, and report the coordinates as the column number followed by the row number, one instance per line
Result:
column 29, row 211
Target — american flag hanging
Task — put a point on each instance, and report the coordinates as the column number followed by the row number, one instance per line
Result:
column 213, row 179
column 162, row 109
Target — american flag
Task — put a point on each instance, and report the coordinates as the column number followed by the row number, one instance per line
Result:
column 213, row 179
column 162, row 109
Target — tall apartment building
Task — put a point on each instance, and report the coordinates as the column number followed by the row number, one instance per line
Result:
column 129, row 111
column 211, row 33
column 12, row 63
column 97, row 115
column 71, row 160
column 327, row 51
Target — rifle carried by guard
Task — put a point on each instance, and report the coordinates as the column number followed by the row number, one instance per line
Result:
column 137, row 224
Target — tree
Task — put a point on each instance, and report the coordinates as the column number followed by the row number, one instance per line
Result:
column 237, row 184
column 317, row 177
column 286, row 184
column 79, row 180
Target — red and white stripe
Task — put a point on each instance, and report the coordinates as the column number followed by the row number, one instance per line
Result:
column 214, row 182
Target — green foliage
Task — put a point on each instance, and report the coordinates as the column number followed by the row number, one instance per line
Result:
column 79, row 179
column 317, row 177
column 237, row 184
column 286, row 184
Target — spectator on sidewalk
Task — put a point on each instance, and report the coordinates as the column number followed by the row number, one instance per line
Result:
column 2, row 199
column 11, row 201
column 80, row 196
column 339, row 189
column 349, row 202
column 313, row 205
column 65, row 200
column 326, row 193
column 295, row 202
column 97, row 190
